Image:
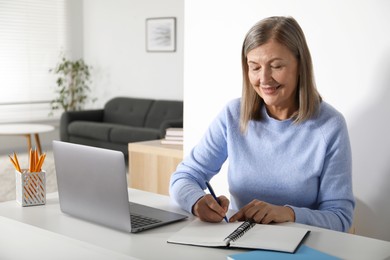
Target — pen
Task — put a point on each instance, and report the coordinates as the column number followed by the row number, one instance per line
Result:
column 213, row 194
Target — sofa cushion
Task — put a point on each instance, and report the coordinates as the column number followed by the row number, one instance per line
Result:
column 91, row 130
column 128, row 134
column 163, row 110
column 127, row 111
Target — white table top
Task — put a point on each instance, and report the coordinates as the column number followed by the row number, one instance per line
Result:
column 151, row 244
column 21, row 129
column 23, row 241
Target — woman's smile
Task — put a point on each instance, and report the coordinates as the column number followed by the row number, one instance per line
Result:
column 268, row 90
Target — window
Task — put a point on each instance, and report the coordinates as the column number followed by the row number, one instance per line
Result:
column 33, row 33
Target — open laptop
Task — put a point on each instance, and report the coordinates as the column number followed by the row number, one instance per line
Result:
column 92, row 185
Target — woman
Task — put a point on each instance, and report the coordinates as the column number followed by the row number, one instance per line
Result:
column 289, row 152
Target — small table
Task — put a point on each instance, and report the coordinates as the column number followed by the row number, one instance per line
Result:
column 26, row 130
column 151, row 165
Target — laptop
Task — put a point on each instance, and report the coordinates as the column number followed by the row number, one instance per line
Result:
column 92, row 185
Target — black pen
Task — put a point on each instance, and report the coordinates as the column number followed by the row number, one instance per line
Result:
column 215, row 197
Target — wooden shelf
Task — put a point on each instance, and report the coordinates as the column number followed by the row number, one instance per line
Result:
column 151, row 165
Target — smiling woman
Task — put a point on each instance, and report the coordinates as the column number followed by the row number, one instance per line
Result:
column 289, row 152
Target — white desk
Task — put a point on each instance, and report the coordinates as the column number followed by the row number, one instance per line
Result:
column 22, row 241
column 152, row 244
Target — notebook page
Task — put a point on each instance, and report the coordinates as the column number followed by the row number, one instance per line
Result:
column 204, row 233
column 271, row 237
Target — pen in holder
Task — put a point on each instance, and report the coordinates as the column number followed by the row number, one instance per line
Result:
column 31, row 182
column 30, row 187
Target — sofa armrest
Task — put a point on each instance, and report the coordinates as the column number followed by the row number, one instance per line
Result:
column 170, row 123
column 67, row 117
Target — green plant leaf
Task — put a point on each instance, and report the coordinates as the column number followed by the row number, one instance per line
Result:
column 72, row 80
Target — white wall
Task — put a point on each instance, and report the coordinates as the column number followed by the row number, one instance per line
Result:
column 350, row 47
column 114, row 44
column 9, row 144
column 110, row 35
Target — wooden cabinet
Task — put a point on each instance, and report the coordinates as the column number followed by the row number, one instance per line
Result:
column 151, row 165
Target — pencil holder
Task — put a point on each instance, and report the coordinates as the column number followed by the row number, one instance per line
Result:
column 30, row 188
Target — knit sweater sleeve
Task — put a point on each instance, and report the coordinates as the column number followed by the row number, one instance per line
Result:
column 335, row 198
column 205, row 160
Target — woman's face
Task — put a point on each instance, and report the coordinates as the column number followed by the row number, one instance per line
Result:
column 273, row 73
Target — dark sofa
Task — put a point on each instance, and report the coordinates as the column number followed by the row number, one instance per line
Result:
column 121, row 121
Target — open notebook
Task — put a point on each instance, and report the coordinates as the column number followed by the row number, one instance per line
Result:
column 240, row 235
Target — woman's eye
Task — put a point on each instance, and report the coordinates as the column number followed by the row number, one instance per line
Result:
column 277, row 66
column 255, row 68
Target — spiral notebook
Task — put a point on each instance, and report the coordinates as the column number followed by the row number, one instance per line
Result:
column 241, row 235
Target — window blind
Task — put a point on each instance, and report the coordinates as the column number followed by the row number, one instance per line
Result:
column 33, row 33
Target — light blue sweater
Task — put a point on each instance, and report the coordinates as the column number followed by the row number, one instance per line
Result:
column 306, row 166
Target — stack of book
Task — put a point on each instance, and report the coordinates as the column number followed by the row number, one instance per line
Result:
column 173, row 136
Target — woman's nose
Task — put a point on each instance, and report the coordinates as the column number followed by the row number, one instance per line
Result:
column 265, row 76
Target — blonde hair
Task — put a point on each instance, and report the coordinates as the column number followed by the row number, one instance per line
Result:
column 286, row 31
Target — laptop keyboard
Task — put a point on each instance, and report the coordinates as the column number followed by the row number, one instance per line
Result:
column 140, row 221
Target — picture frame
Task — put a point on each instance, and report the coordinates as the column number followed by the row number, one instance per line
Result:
column 161, row 34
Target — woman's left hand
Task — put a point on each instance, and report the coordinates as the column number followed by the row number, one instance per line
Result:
column 264, row 213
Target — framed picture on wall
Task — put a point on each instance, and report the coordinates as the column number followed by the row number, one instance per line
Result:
column 161, row 34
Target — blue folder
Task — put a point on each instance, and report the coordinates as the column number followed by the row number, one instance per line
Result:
column 303, row 253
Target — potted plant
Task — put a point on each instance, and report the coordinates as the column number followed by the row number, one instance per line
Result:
column 72, row 85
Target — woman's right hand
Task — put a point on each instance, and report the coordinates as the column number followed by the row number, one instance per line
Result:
column 208, row 209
